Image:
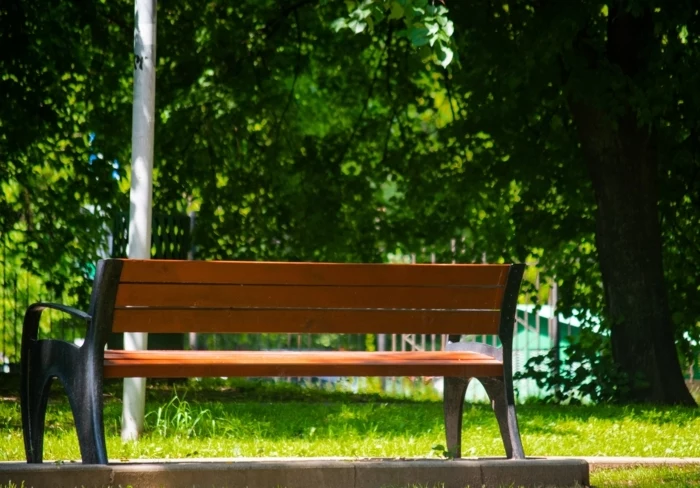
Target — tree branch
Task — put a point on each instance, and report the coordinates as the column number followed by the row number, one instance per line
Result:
column 370, row 91
column 270, row 27
column 448, row 88
column 297, row 68
column 388, row 133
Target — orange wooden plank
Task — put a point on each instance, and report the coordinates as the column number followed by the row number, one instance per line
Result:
column 300, row 357
column 169, row 364
column 112, row 370
column 306, row 321
column 273, row 296
column 242, row 272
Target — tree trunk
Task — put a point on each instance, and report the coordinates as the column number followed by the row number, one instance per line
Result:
column 623, row 165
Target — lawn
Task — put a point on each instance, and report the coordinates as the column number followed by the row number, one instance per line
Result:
column 647, row 477
column 214, row 419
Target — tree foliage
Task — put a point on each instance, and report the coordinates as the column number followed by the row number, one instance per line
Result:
column 50, row 68
column 460, row 130
column 580, row 103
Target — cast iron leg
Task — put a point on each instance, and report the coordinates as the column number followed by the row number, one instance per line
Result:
column 86, row 402
column 41, row 363
column 453, row 404
column 34, row 395
column 78, row 369
column 505, row 415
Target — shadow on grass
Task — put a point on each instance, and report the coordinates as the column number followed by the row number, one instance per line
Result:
column 247, row 400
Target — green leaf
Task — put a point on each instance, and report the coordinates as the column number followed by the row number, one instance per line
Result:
column 338, row 24
column 444, row 55
column 357, row 26
column 362, row 13
column 425, row 53
column 449, row 28
column 432, row 28
column 418, row 36
column 397, row 11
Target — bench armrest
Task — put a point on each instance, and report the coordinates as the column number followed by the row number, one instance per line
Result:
column 30, row 328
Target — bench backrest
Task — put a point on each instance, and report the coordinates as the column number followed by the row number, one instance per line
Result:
column 240, row 297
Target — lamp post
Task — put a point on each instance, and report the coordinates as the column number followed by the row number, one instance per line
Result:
column 142, row 125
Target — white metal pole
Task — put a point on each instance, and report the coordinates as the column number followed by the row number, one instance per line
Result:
column 142, row 124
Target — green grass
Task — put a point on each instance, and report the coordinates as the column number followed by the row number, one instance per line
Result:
column 647, row 477
column 220, row 419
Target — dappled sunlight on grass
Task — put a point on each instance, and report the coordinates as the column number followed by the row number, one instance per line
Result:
column 647, row 477
column 238, row 418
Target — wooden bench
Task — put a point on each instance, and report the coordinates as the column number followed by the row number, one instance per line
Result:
column 256, row 297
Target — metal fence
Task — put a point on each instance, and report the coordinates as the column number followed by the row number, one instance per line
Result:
column 171, row 239
column 19, row 289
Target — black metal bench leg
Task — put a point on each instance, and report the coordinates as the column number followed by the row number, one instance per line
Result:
column 453, row 404
column 86, row 402
column 41, row 363
column 505, row 415
column 34, row 393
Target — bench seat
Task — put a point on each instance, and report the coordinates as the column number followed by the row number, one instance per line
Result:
column 192, row 364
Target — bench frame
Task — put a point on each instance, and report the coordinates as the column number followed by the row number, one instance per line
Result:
column 80, row 370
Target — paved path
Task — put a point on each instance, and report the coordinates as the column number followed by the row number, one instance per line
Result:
column 325, row 472
column 304, row 473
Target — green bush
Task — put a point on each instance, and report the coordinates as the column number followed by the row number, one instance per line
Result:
column 586, row 373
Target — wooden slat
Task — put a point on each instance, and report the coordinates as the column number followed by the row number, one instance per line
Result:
column 183, row 364
column 306, row 321
column 241, row 272
column 306, row 357
column 274, row 296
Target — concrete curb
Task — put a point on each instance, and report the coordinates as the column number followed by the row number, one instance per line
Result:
column 304, row 473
